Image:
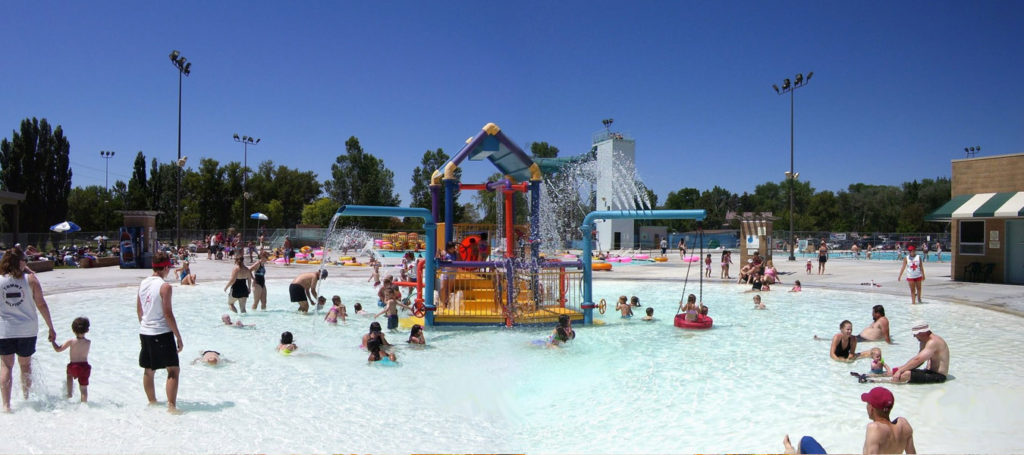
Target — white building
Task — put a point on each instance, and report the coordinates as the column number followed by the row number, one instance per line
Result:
column 616, row 170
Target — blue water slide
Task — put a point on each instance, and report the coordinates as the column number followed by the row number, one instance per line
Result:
column 588, row 227
column 429, row 224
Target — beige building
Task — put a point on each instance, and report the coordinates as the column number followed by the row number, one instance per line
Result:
column 986, row 216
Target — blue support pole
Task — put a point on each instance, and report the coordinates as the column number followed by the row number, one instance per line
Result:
column 588, row 226
column 535, row 238
column 430, row 266
column 449, row 210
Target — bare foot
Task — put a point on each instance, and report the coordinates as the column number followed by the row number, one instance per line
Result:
column 171, row 409
column 789, row 447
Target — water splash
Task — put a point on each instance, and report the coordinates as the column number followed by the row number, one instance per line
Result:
column 569, row 195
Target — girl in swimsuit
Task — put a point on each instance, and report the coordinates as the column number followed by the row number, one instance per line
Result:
column 259, row 282
column 374, row 345
column 691, row 308
column 185, row 275
column 334, row 312
column 416, row 335
column 239, row 284
column 844, row 344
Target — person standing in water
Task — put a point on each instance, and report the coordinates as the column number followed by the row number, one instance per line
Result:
column 158, row 332
column 21, row 300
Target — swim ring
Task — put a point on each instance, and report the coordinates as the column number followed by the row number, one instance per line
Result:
column 301, row 261
column 280, row 261
column 601, row 266
column 702, row 322
column 354, row 264
column 306, row 249
column 345, row 258
column 691, row 259
column 641, row 256
column 661, row 259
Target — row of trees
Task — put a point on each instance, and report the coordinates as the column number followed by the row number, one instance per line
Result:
column 35, row 162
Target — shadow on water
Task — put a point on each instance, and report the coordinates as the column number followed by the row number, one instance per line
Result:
column 203, row 406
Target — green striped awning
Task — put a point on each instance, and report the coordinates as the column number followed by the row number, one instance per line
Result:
column 981, row 205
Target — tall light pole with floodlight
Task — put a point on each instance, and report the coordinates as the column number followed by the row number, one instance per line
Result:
column 246, row 142
column 972, row 151
column 184, row 69
column 106, row 155
column 790, row 87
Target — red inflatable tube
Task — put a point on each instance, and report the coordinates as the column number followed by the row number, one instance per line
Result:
column 702, row 322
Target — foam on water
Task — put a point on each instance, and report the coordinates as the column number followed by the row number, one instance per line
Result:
column 625, row 387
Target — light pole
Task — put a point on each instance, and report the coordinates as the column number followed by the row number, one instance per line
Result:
column 184, row 69
column 246, row 142
column 106, row 155
column 789, row 87
column 972, row 151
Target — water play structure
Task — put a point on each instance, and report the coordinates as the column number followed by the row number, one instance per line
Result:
column 497, row 275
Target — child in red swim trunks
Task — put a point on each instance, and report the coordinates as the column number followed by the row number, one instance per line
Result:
column 79, row 367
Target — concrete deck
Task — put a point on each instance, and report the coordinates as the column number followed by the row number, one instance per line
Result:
column 841, row 273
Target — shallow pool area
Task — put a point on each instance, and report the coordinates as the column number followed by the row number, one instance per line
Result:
column 627, row 386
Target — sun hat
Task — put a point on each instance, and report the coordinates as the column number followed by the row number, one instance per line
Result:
column 920, row 327
column 911, row 248
column 878, row 398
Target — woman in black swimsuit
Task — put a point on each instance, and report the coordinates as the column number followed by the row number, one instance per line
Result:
column 259, row 282
column 844, row 344
column 239, row 284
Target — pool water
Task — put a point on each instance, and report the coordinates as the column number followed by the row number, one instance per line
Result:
column 625, row 387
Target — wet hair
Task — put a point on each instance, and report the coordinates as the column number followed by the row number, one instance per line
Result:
column 879, row 309
column 634, row 300
column 10, row 264
column 158, row 258
column 286, row 338
column 563, row 320
column 358, row 306
column 336, row 299
column 757, row 298
column 323, row 274
column 321, row 299
column 798, row 284
column 373, row 345
column 561, row 334
column 650, row 311
column 845, row 321
column 623, row 298
column 416, row 331
column 239, row 260
column 704, row 310
column 374, row 327
column 691, row 299
column 80, row 325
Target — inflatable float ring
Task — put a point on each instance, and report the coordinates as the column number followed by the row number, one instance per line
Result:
column 306, row 249
column 602, row 305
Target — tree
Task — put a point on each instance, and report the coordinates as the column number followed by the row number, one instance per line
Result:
column 362, row 179
column 138, row 190
column 543, row 150
column 319, row 212
column 420, row 191
column 684, row 199
column 95, row 207
column 35, row 162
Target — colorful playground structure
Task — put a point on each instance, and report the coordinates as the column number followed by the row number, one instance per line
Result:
column 497, row 275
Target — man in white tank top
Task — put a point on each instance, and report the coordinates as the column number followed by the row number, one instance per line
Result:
column 21, row 297
column 158, row 332
column 915, row 274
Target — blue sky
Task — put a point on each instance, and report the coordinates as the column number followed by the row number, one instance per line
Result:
column 899, row 88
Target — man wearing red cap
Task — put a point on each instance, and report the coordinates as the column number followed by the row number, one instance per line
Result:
column 883, row 435
column 915, row 273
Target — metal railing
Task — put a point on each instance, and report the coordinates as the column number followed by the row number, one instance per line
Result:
column 482, row 295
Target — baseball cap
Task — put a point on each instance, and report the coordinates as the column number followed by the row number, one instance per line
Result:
column 911, row 248
column 878, row 398
column 920, row 327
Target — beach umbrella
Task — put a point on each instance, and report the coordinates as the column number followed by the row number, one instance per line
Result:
column 258, row 217
column 100, row 238
column 65, row 227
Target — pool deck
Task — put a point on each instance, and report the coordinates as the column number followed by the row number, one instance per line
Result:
column 842, row 274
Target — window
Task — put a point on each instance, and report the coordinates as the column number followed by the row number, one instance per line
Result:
column 972, row 237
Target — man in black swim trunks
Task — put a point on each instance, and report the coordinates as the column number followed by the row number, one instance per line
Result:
column 303, row 289
column 933, row 350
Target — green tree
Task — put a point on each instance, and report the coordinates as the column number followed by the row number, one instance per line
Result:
column 543, row 150
column 138, row 190
column 684, row 199
column 319, row 212
column 717, row 202
column 358, row 177
column 95, row 207
column 35, row 162
column 420, row 191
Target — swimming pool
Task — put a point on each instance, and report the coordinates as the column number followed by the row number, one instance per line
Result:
column 875, row 256
column 625, row 387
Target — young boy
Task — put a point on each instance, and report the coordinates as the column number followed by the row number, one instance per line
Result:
column 757, row 303
column 650, row 314
column 624, row 307
column 79, row 367
column 391, row 308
